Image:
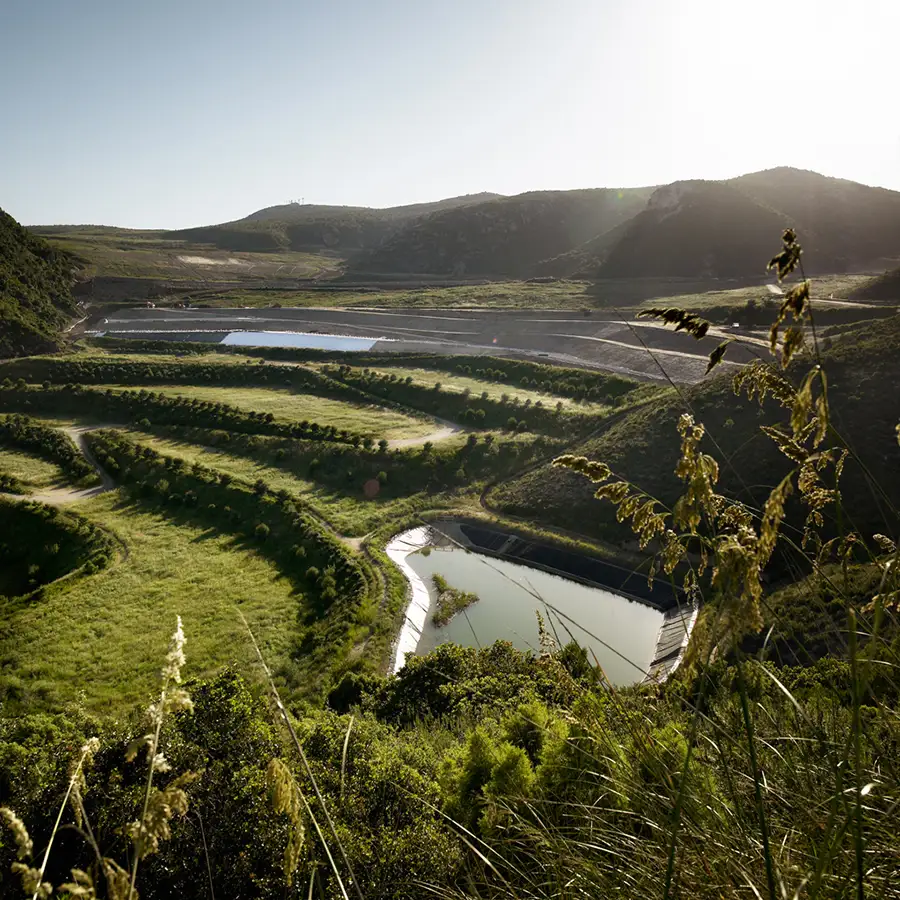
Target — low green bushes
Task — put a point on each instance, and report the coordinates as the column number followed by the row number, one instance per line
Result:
column 23, row 433
column 39, row 544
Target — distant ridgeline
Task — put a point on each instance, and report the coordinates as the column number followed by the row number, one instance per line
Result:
column 35, row 298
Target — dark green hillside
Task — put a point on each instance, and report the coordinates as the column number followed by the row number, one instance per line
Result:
column 35, row 301
column 884, row 288
column 718, row 229
column 643, row 447
column 509, row 236
column 695, row 228
column 311, row 227
column 848, row 225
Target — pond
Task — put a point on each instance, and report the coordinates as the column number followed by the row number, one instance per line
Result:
column 298, row 339
column 621, row 633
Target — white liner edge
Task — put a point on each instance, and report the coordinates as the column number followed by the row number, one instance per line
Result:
column 399, row 547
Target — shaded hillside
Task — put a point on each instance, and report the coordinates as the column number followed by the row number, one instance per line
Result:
column 35, row 300
column 721, row 229
column 884, row 288
column 509, row 236
column 310, row 227
column 848, row 225
column 643, row 447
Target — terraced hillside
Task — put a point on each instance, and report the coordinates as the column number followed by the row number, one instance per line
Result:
column 234, row 483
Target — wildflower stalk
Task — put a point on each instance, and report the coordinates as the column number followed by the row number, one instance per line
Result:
column 87, row 751
column 169, row 700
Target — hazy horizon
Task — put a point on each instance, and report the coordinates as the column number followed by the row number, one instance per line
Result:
column 193, row 113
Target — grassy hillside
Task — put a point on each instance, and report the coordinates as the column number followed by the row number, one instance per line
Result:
column 35, row 302
column 643, row 447
column 720, row 229
column 507, row 236
column 311, row 227
column 883, row 289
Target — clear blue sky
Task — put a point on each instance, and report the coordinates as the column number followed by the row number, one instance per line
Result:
column 185, row 112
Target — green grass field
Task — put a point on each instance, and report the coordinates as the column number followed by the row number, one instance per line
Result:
column 104, row 639
column 286, row 405
column 126, row 253
column 32, row 472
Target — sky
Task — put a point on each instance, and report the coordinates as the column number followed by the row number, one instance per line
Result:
column 174, row 113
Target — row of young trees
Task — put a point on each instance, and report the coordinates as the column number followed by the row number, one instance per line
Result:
column 347, row 469
column 479, row 411
column 330, row 577
column 564, row 381
column 157, row 408
column 39, row 544
column 61, row 370
column 24, row 433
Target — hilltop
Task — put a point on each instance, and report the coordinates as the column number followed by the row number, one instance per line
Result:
column 721, row 229
column 312, row 227
column 35, row 300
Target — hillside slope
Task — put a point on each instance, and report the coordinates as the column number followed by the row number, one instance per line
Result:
column 882, row 289
column 35, row 300
column 508, row 236
column 311, row 227
column 863, row 367
column 720, row 229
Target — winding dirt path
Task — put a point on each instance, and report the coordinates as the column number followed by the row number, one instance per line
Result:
column 446, row 430
column 62, row 496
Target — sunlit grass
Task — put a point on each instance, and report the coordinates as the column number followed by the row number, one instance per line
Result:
column 103, row 637
column 30, row 470
column 287, row 405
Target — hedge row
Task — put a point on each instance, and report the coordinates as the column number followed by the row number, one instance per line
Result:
column 349, row 469
column 280, row 529
column 164, row 409
column 104, row 371
column 39, row 544
column 51, row 444
column 565, row 381
column 478, row 411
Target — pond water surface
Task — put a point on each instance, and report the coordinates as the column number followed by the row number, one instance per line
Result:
column 298, row 339
column 621, row 632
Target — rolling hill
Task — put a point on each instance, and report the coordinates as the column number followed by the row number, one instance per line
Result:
column 507, row 236
column 882, row 289
column 35, row 300
column 311, row 227
column 722, row 229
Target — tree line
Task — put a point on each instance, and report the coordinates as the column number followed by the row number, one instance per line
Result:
column 39, row 544
column 51, row 444
column 330, row 579
column 158, row 408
